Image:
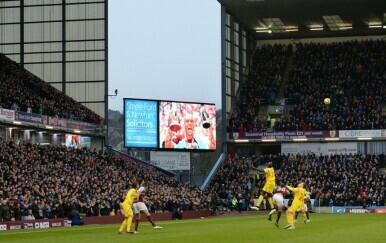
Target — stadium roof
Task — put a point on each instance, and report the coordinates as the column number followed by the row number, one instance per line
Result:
column 278, row 19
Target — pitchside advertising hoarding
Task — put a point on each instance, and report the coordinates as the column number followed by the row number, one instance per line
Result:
column 358, row 209
column 169, row 125
column 35, row 224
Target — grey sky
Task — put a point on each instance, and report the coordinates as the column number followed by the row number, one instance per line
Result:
column 166, row 49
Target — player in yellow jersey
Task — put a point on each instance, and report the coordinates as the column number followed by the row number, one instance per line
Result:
column 297, row 203
column 306, row 200
column 268, row 188
column 126, row 208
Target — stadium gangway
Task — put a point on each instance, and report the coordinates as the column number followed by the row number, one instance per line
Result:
column 170, row 173
column 214, row 169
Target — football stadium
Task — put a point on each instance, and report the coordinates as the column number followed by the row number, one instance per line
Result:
column 295, row 152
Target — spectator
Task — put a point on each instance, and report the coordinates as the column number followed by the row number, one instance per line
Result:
column 5, row 211
column 75, row 217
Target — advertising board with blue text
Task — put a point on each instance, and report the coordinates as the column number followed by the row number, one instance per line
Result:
column 141, row 123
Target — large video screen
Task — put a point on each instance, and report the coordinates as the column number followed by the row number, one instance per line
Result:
column 77, row 141
column 141, row 123
column 185, row 126
column 73, row 141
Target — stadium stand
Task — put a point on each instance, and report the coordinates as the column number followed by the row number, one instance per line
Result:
column 262, row 85
column 352, row 74
column 49, row 182
column 232, row 185
column 21, row 90
column 345, row 180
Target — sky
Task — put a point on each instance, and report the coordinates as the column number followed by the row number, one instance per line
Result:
column 168, row 50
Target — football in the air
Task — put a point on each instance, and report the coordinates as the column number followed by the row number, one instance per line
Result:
column 327, row 101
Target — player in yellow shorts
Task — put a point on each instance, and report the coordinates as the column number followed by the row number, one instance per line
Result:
column 305, row 212
column 126, row 209
column 297, row 203
column 268, row 188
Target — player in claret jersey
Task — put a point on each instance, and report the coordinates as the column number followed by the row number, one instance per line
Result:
column 278, row 201
column 140, row 206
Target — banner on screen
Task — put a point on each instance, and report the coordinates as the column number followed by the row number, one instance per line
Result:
column 319, row 148
column 140, row 126
column 170, row 160
column 185, row 126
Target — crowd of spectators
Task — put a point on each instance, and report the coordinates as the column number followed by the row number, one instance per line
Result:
column 49, row 182
column 340, row 180
column 262, row 85
column 21, row 90
column 232, row 185
column 352, row 74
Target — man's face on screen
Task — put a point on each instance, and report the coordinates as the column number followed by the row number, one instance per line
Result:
column 189, row 126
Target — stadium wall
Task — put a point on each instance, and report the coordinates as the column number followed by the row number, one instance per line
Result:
column 62, row 42
column 237, row 52
column 259, row 43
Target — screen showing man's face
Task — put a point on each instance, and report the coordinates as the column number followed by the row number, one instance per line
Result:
column 187, row 125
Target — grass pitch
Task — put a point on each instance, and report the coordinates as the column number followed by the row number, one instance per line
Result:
column 251, row 228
